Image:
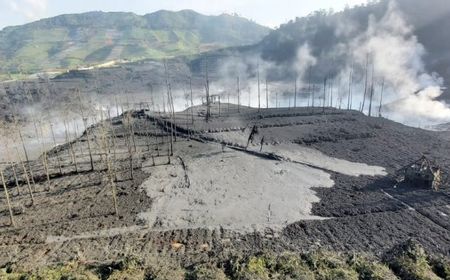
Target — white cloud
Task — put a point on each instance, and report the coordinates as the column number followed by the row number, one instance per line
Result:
column 31, row 9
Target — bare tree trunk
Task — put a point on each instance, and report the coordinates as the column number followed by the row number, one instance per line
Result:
column 27, row 159
column 57, row 153
column 309, row 83
column 276, row 100
column 208, row 102
column 267, row 95
column 219, row 105
column 192, row 100
column 372, row 88
column 381, row 99
column 25, row 172
column 259, row 91
column 324, row 94
column 75, row 127
column 171, row 111
column 331, row 92
column 8, row 202
column 71, row 150
column 107, row 151
column 365, row 83
column 113, row 187
column 117, row 107
column 45, row 157
column 16, row 180
column 89, row 143
column 350, row 84
column 239, row 95
column 313, row 96
column 295, row 93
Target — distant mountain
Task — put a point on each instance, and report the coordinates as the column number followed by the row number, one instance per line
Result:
column 72, row 40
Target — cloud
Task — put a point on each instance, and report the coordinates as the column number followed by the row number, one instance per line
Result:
column 31, row 9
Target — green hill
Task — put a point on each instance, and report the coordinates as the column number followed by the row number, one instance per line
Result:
column 68, row 41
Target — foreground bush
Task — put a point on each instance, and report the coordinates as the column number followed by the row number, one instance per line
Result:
column 407, row 261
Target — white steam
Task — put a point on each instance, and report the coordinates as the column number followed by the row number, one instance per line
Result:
column 397, row 57
column 304, row 61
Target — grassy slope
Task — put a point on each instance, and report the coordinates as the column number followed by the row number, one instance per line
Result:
column 69, row 41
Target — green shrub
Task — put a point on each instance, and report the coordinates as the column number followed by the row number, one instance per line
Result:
column 291, row 266
column 330, row 266
column 129, row 270
column 369, row 269
column 207, row 272
column 409, row 261
column 441, row 266
column 69, row 271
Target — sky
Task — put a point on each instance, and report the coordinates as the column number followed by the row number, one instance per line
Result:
column 271, row 13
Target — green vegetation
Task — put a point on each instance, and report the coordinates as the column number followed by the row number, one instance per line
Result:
column 71, row 41
column 408, row 261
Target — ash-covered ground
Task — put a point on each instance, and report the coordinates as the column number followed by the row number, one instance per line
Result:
column 311, row 177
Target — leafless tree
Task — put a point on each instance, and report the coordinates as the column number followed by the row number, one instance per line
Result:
column 8, row 202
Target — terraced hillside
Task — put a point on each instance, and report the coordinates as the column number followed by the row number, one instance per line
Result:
column 68, row 41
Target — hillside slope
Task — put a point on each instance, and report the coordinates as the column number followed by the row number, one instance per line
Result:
column 326, row 33
column 68, row 41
